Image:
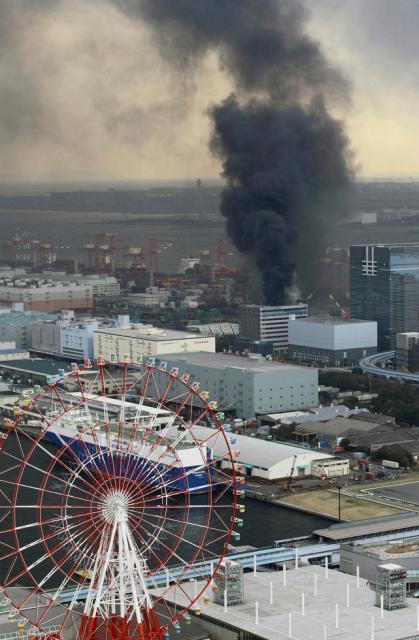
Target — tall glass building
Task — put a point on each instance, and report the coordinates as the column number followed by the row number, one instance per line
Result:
column 384, row 286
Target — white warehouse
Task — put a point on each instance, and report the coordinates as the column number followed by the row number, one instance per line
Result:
column 331, row 341
column 250, row 385
column 271, row 460
column 114, row 344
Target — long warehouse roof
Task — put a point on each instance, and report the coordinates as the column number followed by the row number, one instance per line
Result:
column 230, row 361
column 262, row 453
column 369, row 527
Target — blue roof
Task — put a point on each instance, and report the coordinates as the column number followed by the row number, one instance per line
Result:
column 6, row 351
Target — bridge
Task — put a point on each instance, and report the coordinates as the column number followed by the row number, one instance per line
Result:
column 254, row 559
column 373, row 365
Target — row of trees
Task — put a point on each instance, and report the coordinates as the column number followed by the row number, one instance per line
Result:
column 393, row 398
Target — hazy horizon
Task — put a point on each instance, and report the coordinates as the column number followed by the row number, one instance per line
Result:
column 86, row 96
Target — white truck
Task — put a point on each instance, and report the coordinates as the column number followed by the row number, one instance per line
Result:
column 390, row 464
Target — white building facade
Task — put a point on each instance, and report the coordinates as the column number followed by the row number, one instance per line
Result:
column 331, row 341
column 250, row 386
column 115, row 344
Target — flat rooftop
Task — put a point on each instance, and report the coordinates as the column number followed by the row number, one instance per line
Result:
column 166, row 334
column 387, row 551
column 355, row 620
column 369, row 527
column 331, row 320
column 227, row 361
column 398, row 245
column 43, row 366
column 255, row 451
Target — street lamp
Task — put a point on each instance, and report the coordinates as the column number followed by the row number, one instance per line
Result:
column 340, row 483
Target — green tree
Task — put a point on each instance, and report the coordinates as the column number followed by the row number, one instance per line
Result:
column 396, row 453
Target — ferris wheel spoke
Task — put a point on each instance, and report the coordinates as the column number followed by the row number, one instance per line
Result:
column 67, row 448
column 34, row 524
column 189, row 524
column 33, row 488
column 180, row 538
column 205, row 466
column 28, row 545
column 181, row 477
column 136, row 381
column 54, row 458
column 46, row 556
column 173, row 551
column 79, row 384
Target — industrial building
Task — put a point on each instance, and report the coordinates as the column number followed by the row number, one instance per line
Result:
column 44, row 294
column 407, row 351
column 9, row 351
column 215, row 329
column 331, row 341
column 369, row 555
column 316, row 414
column 384, row 286
column 355, row 429
column 252, row 385
column 114, row 344
column 264, row 328
column 271, row 460
column 64, row 337
column 405, row 522
column 68, row 337
column 32, row 371
column 309, row 603
column 102, row 284
column 16, row 325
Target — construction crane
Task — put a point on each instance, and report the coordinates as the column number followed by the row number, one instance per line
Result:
column 344, row 313
column 287, row 483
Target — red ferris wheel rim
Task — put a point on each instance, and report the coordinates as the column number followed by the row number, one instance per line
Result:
column 181, row 401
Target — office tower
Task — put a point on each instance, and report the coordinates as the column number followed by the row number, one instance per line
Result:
column 384, row 286
column 263, row 324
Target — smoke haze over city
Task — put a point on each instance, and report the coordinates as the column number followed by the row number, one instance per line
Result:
column 158, row 89
column 85, row 94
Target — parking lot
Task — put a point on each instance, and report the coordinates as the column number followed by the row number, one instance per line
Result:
column 403, row 493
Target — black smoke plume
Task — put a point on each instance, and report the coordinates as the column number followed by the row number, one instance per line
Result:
column 285, row 159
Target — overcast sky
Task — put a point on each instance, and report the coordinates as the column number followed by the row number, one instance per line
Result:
column 84, row 94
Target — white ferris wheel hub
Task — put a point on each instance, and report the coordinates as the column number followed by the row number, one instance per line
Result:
column 115, row 506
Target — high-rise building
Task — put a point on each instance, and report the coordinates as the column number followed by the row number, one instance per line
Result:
column 384, row 286
column 407, row 351
column 263, row 324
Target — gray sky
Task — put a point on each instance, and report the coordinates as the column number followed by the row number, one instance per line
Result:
column 85, row 94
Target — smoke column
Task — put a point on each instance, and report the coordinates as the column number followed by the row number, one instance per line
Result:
column 285, row 159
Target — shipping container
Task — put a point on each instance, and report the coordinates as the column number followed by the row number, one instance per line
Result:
column 390, row 464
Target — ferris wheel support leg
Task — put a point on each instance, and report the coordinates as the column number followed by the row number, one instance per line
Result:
column 87, row 629
column 114, row 627
column 149, row 628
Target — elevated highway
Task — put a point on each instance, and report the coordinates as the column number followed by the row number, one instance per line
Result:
column 373, row 365
column 257, row 558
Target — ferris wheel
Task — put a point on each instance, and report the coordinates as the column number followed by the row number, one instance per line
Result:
column 117, row 484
